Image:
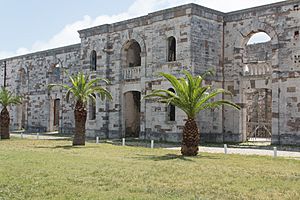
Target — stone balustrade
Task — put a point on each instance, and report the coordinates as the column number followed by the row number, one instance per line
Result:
column 132, row 73
column 257, row 69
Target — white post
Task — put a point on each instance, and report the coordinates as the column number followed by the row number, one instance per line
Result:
column 37, row 135
column 21, row 135
column 123, row 141
column 152, row 144
column 275, row 152
column 97, row 140
column 225, row 148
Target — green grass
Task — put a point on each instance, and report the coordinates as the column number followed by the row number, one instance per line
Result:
column 39, row 169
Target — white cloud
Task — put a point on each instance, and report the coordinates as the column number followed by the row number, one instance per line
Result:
column 68, row 35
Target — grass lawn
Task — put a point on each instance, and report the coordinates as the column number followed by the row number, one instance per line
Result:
column 40, row 169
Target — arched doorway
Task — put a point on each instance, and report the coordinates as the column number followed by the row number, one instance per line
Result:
column 132, row 109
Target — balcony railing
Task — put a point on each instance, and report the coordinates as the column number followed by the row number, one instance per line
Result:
column 258, row 69
column 132, row 73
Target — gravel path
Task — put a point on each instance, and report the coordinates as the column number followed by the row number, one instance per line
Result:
column 41, row 137
column 246, row 151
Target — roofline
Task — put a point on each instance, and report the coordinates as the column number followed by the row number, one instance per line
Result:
column 266, row 6
column 57, row 50
column 106, row 27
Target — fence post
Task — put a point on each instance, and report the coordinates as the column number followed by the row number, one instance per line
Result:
column 225, row 148
column 275, row 152
column 152, row 144
column 97, row 140
column 123, row 141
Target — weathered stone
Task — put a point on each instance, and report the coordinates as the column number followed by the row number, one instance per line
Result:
column 262, row 77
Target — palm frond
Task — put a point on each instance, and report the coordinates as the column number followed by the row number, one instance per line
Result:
column 7, row 98
column 83, row 88
column 190, row 95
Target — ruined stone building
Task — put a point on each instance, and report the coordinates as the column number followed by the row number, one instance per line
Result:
column 264, row 78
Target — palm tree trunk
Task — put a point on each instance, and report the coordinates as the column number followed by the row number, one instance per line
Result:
column 80, row 114
column 4, row 123
column 190, row 138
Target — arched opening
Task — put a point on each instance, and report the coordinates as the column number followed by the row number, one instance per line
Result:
column 54, row 73
column 133, row 54
column 56, row 108
column 93, row 60
column 259, row 37
column 92, row 108
column 171, row 109
column 257, row 66
column 171, row 53
column 132, row 109
column 22, row 76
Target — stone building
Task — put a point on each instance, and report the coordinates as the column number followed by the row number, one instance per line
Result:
column 264, row 78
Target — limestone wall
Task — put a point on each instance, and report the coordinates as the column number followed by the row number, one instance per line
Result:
column 205, row 39
column 29, row 76
column 280, row 21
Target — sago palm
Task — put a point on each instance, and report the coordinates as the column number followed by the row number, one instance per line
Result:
column 191, row 96
column 83, row 89
column 6, row 99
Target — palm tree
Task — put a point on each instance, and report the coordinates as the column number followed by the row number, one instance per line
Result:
column 82, row 90
column 6, row 99
column 191, row 96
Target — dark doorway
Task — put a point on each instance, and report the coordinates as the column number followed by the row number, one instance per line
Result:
column 132, row 109
column 171, row 109
column 133, row 57
column 56, row 109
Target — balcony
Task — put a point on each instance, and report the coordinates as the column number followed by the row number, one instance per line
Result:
column 132, row 73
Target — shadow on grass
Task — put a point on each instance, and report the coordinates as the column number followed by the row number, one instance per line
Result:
column 142, row 143
column 173, row 157
column 66, row 147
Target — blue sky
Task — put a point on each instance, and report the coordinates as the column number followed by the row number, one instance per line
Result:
column 33, row 25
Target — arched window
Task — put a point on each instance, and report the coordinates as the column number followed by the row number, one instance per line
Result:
column 260, row 37
column 22, row 76
column 171, row 49
column 93, row 60
column 92, row 108
column 171, row 108
column 133, row 56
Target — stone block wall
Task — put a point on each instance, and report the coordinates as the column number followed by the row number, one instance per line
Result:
column 29, row 76
column 205, row 39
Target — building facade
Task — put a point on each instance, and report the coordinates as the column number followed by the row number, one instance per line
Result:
column 264, row 78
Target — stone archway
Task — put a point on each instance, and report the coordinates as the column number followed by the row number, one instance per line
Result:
column 256, row 64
